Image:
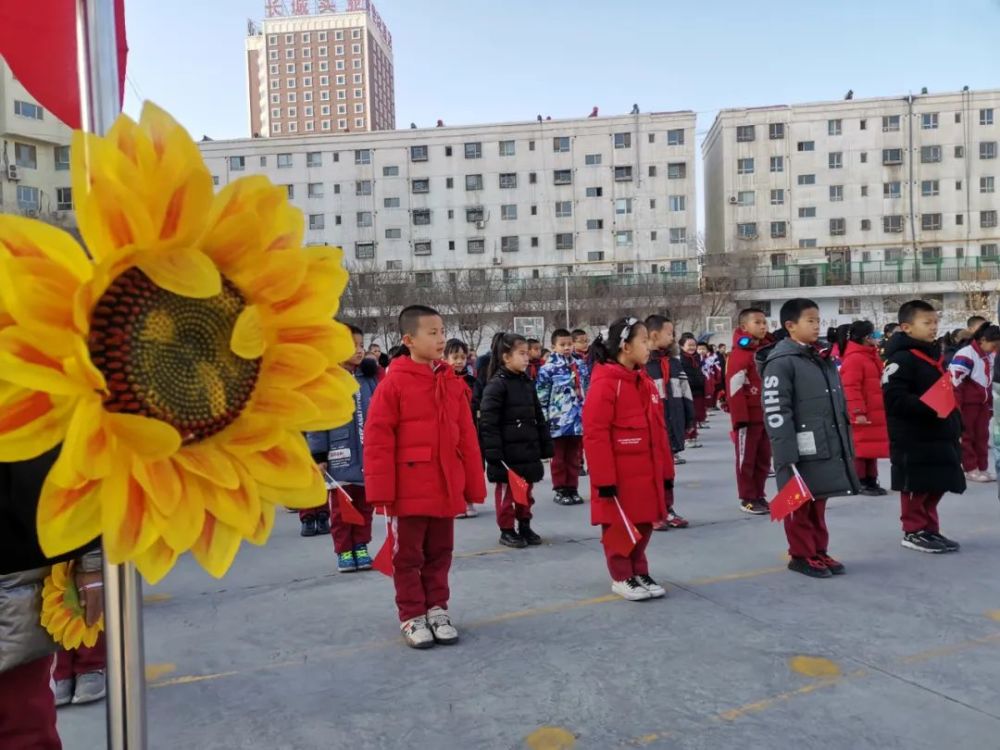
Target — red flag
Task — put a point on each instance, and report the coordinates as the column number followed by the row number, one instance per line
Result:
column 348, row 513
column 791, row 497
column 519, row 488
column 383, row 560
column 941, row 396
column 39, row 45
column 622, row 535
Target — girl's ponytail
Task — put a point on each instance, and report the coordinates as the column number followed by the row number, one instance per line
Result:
column 599, row 349
column 502, row 343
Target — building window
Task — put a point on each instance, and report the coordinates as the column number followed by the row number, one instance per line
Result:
column 421, row 185
column 807, row 212
column 987, row 219
column 834, row 127
column 422, row 217
column 930, row 188
column 777, row 230
column 675, row 137
column 508, row 212
column 892, row 189
column 744, row 166
column 594, row 192
column 989, row 250
column 315, row 190
column 64, row 199
column 363, row 156
column 507, row 148
column 838, row 227
column 986, row 117
column 623, row 238
column 777, row 163
column 892, row 156
column 449, row 182
column 26, row 155
column 562, row 177
column 890, row 123
column 290, row 189
column 807, row 179
column 390, row 171
column 592, row 160
column 595, row 256
column 423, row 247
column 474, row 150
column 510, row 244
column 364, row 250
column 390, row 202
column 807, row 243
column 988, row 150
column 745, row 133
column 475, row 247
column 677, row 170
column 676, row 202
column 866, row 225
column 864, row 157
column 560, row 144
column 747, row 230
column 62, row 158
column 959, row 219
column 929, row 121
column 508, row 180
column 864, row 191
column 473, row 182
column 364, row 218
column 623, row 140
column 623, row 174
column 652, row 170
column 746, row 197
column 836, row 193
column 564, row 241
column 564, row 209
column 892, row 224
column 595, row 223
column 623, row 206
column 423, row 278
column 237, row 163
column 318, row 221
column 418, row 153
column 930, row 154
column 776, row 131
column 806, row 146
column 849, row 306
column 778, row 197
column 284, row 161
column 474, row 215
column 930, row 255
column 29, row 110
column 363, row 187
column 836, row 159
column 986, row 184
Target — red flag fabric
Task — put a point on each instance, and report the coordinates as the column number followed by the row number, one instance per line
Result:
column 622, row 535
column 941, row 396
column 519, row 488
column 348, row 513
column 39, row 45
column 383, row 560
column 790, row 498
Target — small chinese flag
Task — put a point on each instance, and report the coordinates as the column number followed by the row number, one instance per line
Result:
column 519, row 488
column 791, row 497
column 348, row 513
column 941, row 396
column 622, row 535
column 383, row 560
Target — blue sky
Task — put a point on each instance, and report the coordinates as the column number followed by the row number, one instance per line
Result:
column 471, row 61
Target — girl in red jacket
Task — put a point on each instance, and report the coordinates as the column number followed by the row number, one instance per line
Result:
column 861, row 375
column 625, row 442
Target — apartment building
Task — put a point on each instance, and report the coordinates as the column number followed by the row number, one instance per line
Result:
column 536, row 199
column 859, row 202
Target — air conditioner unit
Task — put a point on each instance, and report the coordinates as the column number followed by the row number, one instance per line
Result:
column 497, row 261
column 12, row 173
column 480, row 224
column 733, row 200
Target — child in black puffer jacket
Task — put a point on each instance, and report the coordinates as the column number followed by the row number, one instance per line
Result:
column 513, row 434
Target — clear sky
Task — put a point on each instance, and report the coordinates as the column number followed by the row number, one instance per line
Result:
column 472, row 61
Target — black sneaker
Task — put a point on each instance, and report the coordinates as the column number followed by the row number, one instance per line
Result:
column 678, row 460
column 308, row 526
column 755, row 507
column 575, row 496
column 562, row 497
column 950, row 544
column 812, row 567
column 510, row 538
column 529, row 536
column 921, row 541
column 834, row 566
column 322, row 523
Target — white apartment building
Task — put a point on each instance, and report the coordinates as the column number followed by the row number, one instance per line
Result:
column 860, row 203
column 543, row 198
column 34, row 156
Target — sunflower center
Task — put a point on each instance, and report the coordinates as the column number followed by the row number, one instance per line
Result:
column 168, row 357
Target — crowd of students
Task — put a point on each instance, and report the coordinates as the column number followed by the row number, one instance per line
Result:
column 432, row 428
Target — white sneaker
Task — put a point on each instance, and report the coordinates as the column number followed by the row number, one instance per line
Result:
column 416, row 633
column 470, row 510
column 977, row 476
column 64, row 691
column 631, row 590
column 442, row 630
column 656, row 591
column 89, row 687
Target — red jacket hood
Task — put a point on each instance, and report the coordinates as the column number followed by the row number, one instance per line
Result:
column 406, row 365
column 615, row 371
column 754, row 344
column 853, row 347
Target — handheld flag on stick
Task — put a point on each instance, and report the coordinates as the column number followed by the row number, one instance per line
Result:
column 382, row 562
column 622, row 535
column 519, row 488
column 791, row 497
column 348, row 513
column 941, row 396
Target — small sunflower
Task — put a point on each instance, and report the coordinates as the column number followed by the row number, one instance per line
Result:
column 62, row 615
column 177, row 360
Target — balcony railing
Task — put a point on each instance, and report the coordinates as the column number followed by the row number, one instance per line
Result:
column 908, row 271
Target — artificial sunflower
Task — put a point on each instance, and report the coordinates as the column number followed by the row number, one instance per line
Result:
column 177, row 360
column 62, row 615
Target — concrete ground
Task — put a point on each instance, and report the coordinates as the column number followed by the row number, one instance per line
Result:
column 284, row 653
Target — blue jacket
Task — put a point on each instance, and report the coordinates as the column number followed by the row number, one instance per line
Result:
column 341, row 447
column 562, row 384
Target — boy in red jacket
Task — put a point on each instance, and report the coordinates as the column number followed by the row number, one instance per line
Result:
column 422, row 465
column 743, row 389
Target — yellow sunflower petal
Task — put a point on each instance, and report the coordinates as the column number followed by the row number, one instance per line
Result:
column 265, row 523
column 26, row 238
column 251, row 432
column 330, row 394
column 37, row 362
column 186, row 272
column 68, row 518
column 330, row 339
column 31, row 423
column 161, row 482
column 181, row 528
column 217, row 546
column 39, row 292
column 238, row 507
column 209, row 462
column 90, row 636
column 290, row 365
column 86, row 450
column 234, row 237
column 287, row 464
column 73, row 634
column 274, row 277
column 126, row 516
column 311, row 496
column 146, row 437
column 156, row 561
column 248, row 335
column 287, row 406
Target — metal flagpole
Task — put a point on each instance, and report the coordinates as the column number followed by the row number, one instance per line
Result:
column 100, row 104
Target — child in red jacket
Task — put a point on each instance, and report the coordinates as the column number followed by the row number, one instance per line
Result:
column 861, row 374
column 422, row 465
column 625, row 441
